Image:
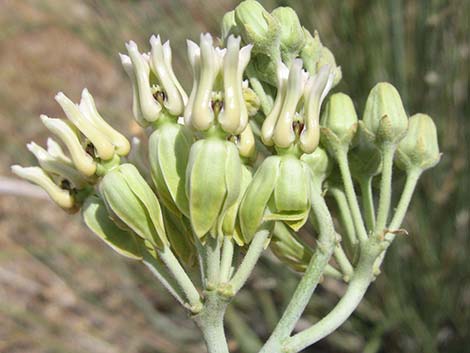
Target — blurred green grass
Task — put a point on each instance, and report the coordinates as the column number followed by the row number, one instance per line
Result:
column 63, row 291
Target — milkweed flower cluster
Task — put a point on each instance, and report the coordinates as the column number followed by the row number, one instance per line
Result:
column 241, row 161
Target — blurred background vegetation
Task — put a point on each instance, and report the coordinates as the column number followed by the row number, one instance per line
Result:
column 61, row 290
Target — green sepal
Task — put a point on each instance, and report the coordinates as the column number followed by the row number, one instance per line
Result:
column 319, row 164
column 229, row 226
column 128, row 196
column 257, row 195
column 180, row 236
column 169, row 148
column 97, row 219
column 233, row 179
column 207, row 182
column 292, row 192
column 289, row 248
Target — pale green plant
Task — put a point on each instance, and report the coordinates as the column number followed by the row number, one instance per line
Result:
column 212, row 197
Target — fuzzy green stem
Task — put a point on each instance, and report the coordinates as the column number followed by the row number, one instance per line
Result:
column 249, row 261
column 226, row 260
column 308, row 283
column 343, row 262
column 358, row 285
column 412, row 178
column 388, row 150
column 159, row 270
column 181, row 277
column 212, row 248
column 211, row 322
column 342, row 158
column 255, row 83
column 368, row 202
column 345, row 217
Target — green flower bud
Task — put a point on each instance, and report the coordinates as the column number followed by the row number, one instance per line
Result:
column 97, row 218
column 384, row 116
column 258, row 27
column 169, row 147
column 213, row 178
column 253, row 21
column 419, row 148
column 279, row 191
column 289, row 248
column 319, row 163
column 339, row 122
column 63, row 198
column 292, row 34
column 315, row 55
column 132, row 202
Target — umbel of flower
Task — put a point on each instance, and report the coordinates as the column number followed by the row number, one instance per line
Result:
column 66, row 179
column 385, row 119
column 294, row 118
column 217, row 94
column 279, row 191
column 133, row 205
column 154, row 84
column 419, row 149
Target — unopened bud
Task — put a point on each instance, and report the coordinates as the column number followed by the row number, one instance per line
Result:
column 384, row 114
column 339, row 122
column 292, row 34
column 419, row 148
